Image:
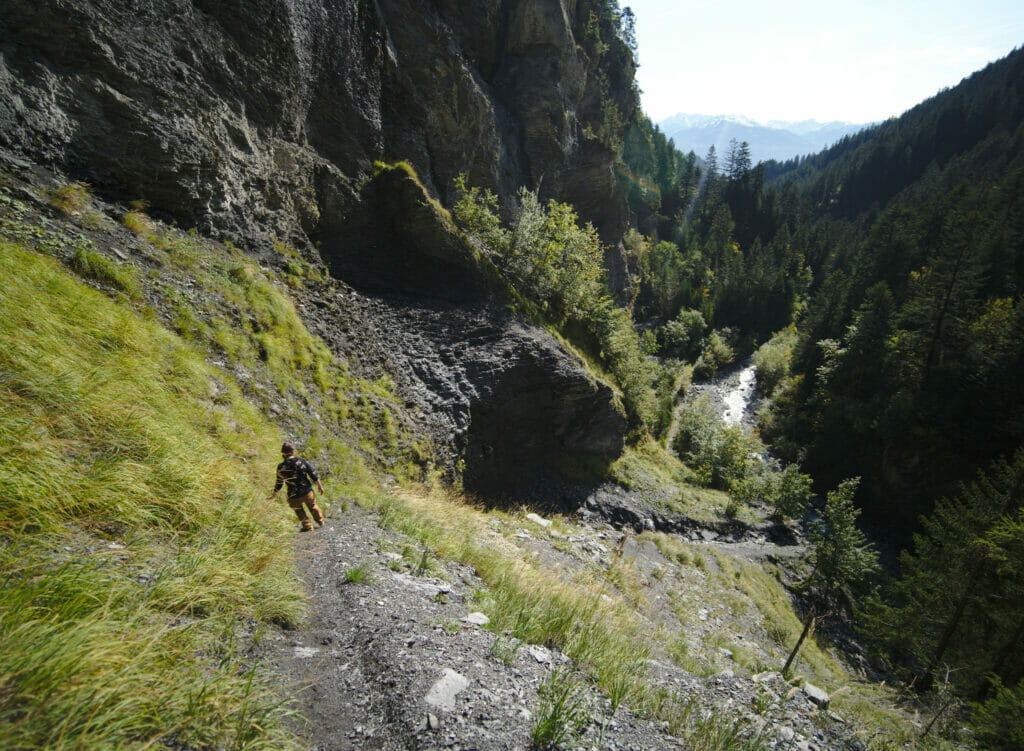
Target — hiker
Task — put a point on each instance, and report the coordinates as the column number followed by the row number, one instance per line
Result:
column 299, row 476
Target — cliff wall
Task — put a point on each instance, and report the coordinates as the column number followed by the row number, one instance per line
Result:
column 262, row 120
column 256, row 119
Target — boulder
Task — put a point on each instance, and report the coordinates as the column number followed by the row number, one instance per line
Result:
column 816, row 695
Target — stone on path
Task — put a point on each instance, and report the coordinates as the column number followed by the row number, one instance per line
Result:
column 816, row 695
column 442, row 694
column 540, row 654
column 477, row 619
column 538, row 520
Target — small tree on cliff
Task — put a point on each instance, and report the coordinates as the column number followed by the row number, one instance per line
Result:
column 843, row 559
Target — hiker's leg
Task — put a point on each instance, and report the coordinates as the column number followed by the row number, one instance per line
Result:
column 296, row 504
column 314, row 509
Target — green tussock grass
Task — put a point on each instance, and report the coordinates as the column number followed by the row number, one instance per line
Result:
column 133, row 536
column 69, row 199
column 93, row 265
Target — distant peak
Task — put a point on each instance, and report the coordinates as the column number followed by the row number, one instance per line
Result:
column 692, row 120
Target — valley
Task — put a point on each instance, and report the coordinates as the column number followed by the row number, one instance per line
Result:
column 610, row 433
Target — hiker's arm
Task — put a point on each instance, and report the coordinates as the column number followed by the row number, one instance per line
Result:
column 277, row 485
column 311, row 473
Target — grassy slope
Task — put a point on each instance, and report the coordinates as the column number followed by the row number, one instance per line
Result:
column 133, row 537
column 610, row 617
column 132, row 531
column 138, row 552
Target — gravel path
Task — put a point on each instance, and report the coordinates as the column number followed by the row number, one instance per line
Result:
column 391, row 662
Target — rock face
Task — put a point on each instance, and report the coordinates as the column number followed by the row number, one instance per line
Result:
column 255, row 119
column 503, row 403
column 261, row 120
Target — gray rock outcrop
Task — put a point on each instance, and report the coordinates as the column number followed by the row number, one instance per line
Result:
column 504, row 405
column 262, row 120
column 256, row 120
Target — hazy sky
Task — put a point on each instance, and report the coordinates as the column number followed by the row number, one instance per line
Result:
column 854, row 60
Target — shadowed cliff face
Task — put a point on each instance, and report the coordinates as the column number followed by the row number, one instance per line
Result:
column 503, row 403
column 254, row 119
column 258, row 120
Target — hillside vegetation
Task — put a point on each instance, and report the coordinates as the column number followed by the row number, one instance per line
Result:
column 139, row 553
column 143, row 564
column 884, row 281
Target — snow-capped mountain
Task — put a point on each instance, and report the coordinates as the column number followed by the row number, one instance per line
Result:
column 775, row 139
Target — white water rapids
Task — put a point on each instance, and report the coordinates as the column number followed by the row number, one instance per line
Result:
column 738, row 399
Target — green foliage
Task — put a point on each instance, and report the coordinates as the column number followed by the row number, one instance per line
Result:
column 558, row 265
column 361, row 574
column 842, row 556
column 719, row 454
column 913, row 233
column 717, row 353
column 93, row 265
column 998, row 722
column 785, row 490
column 673, row 378
column 960, row 599
column 772, row 360
column 658, row 181
column 562, row 711
column 477, row 212
column 684, row 336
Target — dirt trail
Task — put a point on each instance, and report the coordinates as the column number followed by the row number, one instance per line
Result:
column 390, row 662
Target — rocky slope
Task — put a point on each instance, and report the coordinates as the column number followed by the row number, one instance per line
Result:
column 396, row 656
column 261, row 122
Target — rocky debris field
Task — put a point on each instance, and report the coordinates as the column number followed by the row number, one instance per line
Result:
column 395, row 655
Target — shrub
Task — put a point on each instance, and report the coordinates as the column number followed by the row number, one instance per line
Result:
column 784, row 489
column 718, row 349
column 720, row 455
column 137, row 222
column 791, row 493
column 772, row 360
column 999, row 721
column 69, row 199
column 683, row 337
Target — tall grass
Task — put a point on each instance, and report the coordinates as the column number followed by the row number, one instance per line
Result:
column 132, row 533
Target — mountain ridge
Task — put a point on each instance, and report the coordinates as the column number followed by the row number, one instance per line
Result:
column 774, row 139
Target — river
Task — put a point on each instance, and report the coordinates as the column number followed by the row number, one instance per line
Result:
column 733, row 392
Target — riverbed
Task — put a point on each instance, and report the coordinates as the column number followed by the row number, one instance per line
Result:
column 733, row 392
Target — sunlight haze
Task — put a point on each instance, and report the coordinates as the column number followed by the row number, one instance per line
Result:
column 798, row 59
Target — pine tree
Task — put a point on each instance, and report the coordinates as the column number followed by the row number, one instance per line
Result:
column 959, row 601
column 842, row 556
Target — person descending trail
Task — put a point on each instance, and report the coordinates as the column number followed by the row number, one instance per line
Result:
column 299, row 477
